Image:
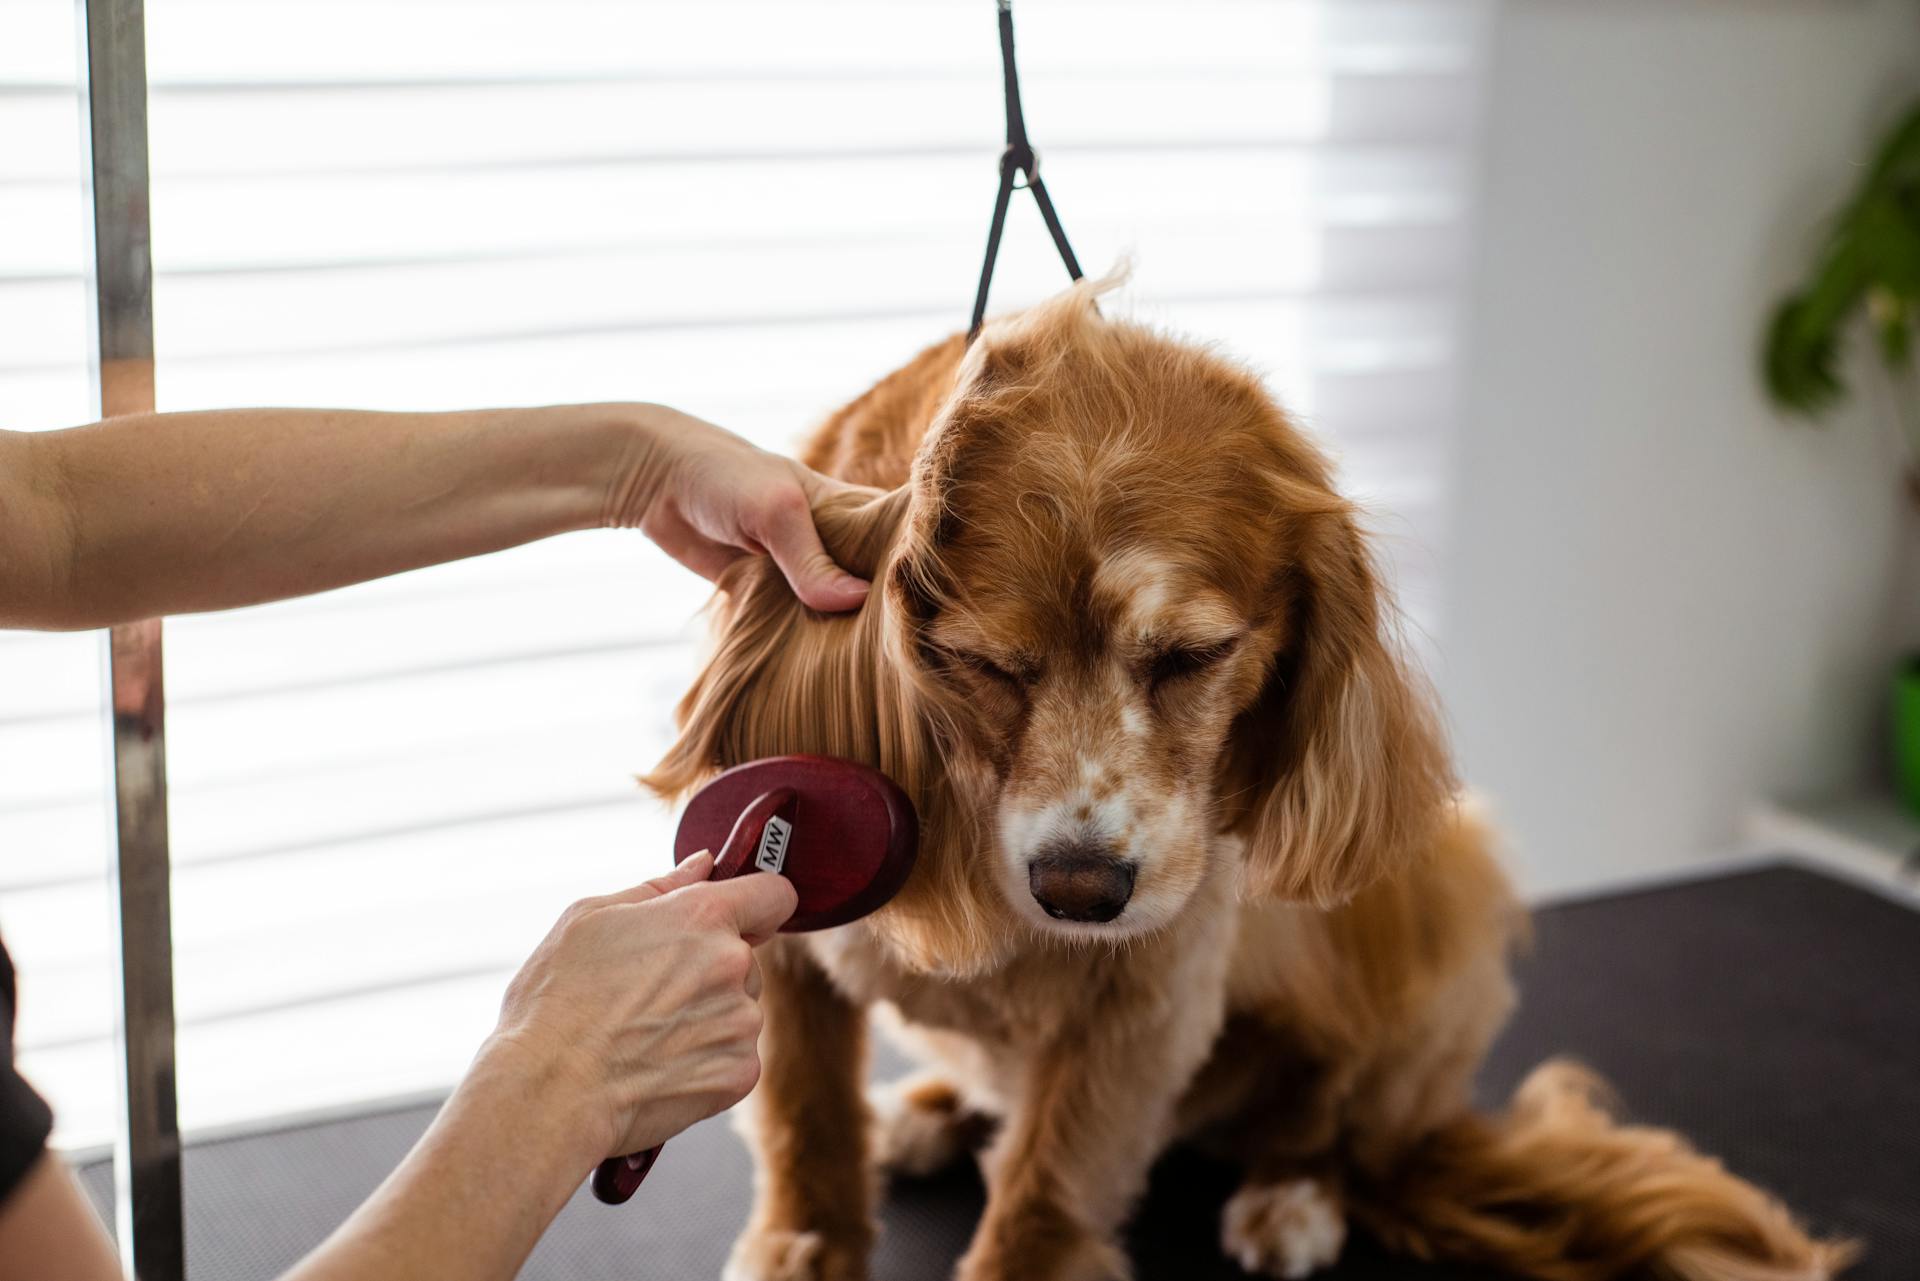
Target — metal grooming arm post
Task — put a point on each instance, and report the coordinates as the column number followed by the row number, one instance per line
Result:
column 146, row 1155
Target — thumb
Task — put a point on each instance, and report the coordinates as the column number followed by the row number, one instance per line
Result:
column 695, row 869
column 757, row 905
column 795, row 546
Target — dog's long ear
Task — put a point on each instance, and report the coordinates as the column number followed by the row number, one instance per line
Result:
column 1339, row 764
column 782, row 678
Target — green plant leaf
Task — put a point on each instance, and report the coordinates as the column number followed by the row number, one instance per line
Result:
column 1870, row 260
column 1800, row 361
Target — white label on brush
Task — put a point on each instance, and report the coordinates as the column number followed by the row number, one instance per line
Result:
column 773, row 844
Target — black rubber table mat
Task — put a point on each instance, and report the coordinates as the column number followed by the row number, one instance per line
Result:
column 1772, row 1015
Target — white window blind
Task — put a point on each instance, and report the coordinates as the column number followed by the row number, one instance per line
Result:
column 747, row 208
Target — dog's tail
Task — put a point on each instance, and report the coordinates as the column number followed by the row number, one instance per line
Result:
column 1553, row 1188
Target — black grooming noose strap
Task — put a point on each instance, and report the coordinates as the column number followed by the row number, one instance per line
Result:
column 1019, row 157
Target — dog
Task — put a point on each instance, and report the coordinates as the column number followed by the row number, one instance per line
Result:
column 1194, row 864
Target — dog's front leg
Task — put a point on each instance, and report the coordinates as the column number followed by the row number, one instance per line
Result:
column 812, row 1215
column 1088, row 1120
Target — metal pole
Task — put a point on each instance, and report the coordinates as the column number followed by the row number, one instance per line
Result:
column 147, row 1144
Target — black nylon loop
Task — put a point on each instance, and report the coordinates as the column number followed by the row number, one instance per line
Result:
column 1018, row 158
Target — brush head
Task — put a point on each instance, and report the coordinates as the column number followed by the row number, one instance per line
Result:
column 843, row 833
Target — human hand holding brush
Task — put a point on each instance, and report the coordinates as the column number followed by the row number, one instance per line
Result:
column 635, row 1017
column 647, row 1002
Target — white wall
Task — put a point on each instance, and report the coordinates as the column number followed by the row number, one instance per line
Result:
column 1664, row 600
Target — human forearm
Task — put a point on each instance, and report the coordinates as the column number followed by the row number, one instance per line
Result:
column 176, row 513
column 474, row 1195
column 48, row 1230
column 151, row 514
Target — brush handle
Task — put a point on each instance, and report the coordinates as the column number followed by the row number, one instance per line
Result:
column 618, row 1178
column 758, row 843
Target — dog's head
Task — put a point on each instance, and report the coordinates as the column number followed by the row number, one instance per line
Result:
column 1155, row 621
column 1123, row 620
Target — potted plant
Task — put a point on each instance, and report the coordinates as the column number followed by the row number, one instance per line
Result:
column 1869, row 266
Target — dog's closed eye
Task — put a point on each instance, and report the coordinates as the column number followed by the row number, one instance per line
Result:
column 1168, row 664
column 1014, row 672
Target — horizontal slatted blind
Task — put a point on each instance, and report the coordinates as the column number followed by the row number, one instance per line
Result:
column 746, row 208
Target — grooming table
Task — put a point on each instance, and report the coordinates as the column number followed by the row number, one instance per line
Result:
column 1772, row 1015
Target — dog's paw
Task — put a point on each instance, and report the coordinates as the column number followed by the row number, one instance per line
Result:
column 920, row 1125
column 1289, row 1230
column 777, row 1255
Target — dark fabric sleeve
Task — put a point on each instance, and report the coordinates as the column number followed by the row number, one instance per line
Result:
column 25, row 1118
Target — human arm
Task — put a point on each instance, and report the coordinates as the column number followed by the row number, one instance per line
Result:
column 47, row 1229
column 157, row 514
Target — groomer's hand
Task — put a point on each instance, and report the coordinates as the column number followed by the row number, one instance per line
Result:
column 708, row 498
column 647, row 1002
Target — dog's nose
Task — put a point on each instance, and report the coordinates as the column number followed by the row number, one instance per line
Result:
column 1080, row 881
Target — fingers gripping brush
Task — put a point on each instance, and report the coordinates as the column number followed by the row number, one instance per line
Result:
column 842, row 832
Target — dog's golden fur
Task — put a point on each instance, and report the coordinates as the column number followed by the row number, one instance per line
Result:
column 1315, row 956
